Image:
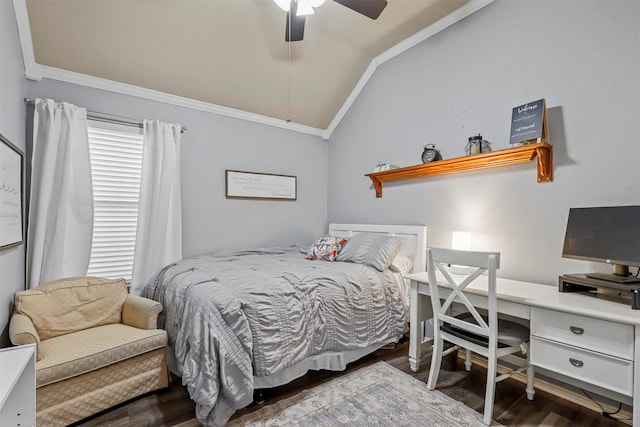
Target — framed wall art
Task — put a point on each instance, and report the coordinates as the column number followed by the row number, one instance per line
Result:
column 11, row 178
column 254, row 185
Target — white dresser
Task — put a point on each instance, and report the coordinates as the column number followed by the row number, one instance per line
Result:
column 18, row 386
column 588, row 342
column 595, row 351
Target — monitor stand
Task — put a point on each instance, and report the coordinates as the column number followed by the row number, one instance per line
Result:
column 614, row 278
column 585, row 283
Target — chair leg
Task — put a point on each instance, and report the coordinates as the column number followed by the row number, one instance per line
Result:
column 436, row 361
column 467, row 359
column 491, row 390
column 530, row 377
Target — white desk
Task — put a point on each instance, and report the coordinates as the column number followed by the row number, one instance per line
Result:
column 593, row 343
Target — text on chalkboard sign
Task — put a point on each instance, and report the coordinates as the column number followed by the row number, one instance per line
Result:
column 529, row 123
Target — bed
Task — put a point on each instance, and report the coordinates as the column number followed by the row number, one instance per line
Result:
column 241, row 320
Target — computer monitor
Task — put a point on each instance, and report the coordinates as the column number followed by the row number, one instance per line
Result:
column 605, row 234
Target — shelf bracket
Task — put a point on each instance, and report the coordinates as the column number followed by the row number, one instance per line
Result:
column 545, row 163
column 377, row 184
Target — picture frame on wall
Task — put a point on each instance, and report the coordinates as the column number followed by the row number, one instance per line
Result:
column 11, row 194
column 255, row 185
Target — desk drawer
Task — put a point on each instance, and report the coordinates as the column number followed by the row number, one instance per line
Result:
column 598, row 335
column 609, row 372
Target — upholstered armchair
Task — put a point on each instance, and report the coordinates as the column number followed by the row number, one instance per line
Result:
column 97, row 346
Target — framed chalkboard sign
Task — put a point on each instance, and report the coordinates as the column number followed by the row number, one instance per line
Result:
column 529, row 123
column 252, row 185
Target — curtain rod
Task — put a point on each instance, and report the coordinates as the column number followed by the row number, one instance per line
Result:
column 109, row 118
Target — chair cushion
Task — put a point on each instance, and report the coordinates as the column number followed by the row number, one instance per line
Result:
column 80, row 352
column 70, row 305
column 510, row 334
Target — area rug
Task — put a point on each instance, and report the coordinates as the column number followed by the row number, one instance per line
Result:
column 376, row 395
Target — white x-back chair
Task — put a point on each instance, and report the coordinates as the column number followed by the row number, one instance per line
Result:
column 475, row 332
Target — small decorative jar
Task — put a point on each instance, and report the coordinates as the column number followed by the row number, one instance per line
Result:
column 477, row 145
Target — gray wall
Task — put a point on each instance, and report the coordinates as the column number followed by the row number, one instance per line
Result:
column 581, row 56
column 212, row 144
column 12, row 118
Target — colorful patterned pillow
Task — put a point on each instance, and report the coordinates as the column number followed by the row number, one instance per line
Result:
column 326, row 248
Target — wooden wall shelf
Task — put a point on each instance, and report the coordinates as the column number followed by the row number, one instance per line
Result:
column 510, row 156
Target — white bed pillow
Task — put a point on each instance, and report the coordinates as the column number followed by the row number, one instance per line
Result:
column 401, row 264
column 375, row 250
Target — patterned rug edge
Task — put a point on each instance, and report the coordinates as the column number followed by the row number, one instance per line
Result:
column 264, row 414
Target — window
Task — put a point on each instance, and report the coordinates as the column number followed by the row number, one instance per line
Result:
column 116, row 165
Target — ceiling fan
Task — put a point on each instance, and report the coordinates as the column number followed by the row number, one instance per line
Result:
column 297, row 10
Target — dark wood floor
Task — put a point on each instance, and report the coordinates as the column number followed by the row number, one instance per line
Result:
column 173, row 406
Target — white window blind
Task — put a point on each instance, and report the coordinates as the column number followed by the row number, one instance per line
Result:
column 116, row 165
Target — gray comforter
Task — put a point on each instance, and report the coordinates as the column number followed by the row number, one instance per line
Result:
column 234, row 315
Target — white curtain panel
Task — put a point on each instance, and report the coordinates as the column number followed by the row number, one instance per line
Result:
column 61, row 201
column 159, row 231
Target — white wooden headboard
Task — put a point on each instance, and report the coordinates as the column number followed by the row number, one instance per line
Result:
column 415, row 246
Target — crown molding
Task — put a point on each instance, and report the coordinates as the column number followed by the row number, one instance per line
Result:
column 35, row 71
column 31, row 69
column 153, row 95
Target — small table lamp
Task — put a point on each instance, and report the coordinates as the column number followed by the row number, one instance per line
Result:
column 460, row 240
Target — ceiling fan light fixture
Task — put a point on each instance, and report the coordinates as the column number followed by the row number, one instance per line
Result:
column 304, row 8
column 283, row 4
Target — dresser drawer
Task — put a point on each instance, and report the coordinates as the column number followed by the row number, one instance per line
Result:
column 602, row 336
column 609, row 372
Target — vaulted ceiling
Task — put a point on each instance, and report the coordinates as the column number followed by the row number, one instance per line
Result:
column 229, row 53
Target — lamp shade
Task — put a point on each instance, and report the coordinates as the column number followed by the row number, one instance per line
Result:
column 461, row 240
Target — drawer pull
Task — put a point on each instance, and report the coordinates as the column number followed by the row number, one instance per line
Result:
column 575, row 362
column 576, row 330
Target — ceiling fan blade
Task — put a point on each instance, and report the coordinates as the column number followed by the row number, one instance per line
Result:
column 369, row 8
column 295, row 24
